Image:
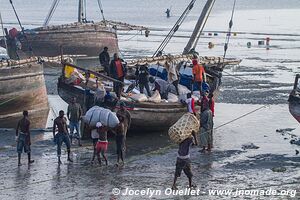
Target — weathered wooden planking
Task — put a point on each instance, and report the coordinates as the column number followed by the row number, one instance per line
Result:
column 22, row 87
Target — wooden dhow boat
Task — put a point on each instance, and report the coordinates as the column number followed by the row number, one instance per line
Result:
column 294, row 99
column 22, row 87
column 146, row 116
column 80, row 38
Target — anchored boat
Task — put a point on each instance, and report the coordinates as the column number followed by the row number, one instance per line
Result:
column 294, row 100
column 22, row 87
column 80, row 38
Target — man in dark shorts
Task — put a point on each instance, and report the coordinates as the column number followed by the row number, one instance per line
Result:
column 120, row 139
column 62, row 136
column 102, row 144
column 183, row 160
column 23, row 138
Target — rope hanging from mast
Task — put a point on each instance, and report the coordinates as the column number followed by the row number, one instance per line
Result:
column 229, row 30
column 101, row 10
column 51, row 11
column 174, row 29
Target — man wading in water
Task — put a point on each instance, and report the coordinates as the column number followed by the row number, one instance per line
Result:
column 183, row 160
column 23, row 138
column 62, row 136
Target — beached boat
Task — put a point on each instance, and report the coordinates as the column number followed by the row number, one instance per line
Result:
column 146, row 116
column 294, row 100
column 22, row 87
column 80, row 38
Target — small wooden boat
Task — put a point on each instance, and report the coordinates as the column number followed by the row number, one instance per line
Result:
column 294, row 100
column 22, row 87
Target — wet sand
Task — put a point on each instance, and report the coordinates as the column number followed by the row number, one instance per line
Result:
column 150, row 162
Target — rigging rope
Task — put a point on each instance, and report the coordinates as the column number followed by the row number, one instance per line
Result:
column 229, row 30
column 51, row 12
column 101, row 10
column 175, row 28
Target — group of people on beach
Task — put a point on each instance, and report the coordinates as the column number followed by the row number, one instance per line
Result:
column 61, row 134
column 116, row 69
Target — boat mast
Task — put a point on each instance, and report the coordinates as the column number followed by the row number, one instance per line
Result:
column 80, row 11
column 199, row 27
column 4, row 38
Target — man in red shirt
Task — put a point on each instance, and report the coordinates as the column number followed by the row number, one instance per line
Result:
column 118, row 71
column 198, row 74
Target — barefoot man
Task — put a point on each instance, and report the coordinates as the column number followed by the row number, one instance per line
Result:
column 101, row 146
column 183, row 162
column 62, row 136
column 23, row 137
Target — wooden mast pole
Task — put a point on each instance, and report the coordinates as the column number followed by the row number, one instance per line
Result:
column 1, row 21
column 80, row 11
column 199, row 26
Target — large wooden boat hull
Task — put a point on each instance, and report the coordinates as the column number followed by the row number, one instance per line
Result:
column 22, row 87
column 145, row 116
column 71, row 39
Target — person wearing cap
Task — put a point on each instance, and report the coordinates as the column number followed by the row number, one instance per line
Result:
column 206, row 127
column 198, row 74
column 102, row 143
column 104, row 60
column 62, row 136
